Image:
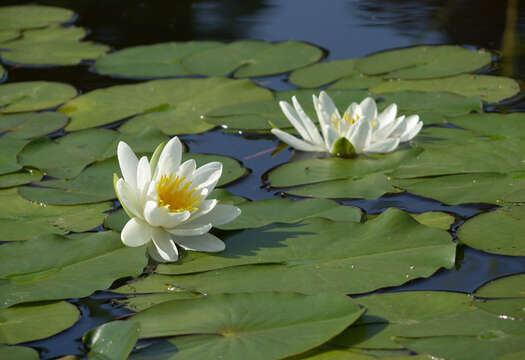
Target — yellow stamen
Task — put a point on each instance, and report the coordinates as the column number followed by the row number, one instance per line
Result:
column 349, row 119
column 373, row 123
column 335, row 121
column 176, row 194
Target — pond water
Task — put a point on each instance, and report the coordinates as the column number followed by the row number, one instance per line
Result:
column 344, row 29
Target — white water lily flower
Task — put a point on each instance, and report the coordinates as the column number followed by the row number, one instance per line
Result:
column 166, row 201
column 360, row 130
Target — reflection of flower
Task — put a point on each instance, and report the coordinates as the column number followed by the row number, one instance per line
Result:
column 360, row 130
column 166, row 201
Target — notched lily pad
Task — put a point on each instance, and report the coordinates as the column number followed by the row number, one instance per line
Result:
column 9, row 149
column 323, row 73
column 29, row 125
column 32, row 16
column 504, row 297
column 20, row 177
column 113, row 340
column 33, row 95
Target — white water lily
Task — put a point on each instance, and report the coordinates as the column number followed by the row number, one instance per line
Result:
column 166, row 201
column 361, row 129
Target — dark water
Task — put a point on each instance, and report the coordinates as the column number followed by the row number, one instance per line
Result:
column 344, row 29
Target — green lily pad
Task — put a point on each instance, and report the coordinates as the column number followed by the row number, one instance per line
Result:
column 20, row 177
column 388, row 313
column 488, row 88
column 54, row 45
column 32, row 16
column 9, row 149
column 18, row 353
column 317, row 170
column 495, row 125
column 25, row 126
column 464, row 335
column 357, row 81
column 316, row 255
column 142, row 302
column 241, row 326
column 23, row 220
column 2, row 72
column 33, row 95
column 55, row 267
column 490, row 188
column 149, row 61
column 25, row 323
column 422, row 62
column 112, row 341
column 249, row 58
column 174, row 106
column 495, row 232
column 435, row 219
column 8, row 35
column 323, row 73
column 263, row 212
column 504, row 297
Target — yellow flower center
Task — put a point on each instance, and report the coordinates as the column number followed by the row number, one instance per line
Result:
column 176, row 194
column 349, row 119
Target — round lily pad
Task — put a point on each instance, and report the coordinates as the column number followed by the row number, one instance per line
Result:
column 241, row 326
column 29, row 125
column 174, row 106
column 113, row 340
column 323, row 73
column 18, row 353
column 9, row 148
column 33, row 95
column 25, row 323
column 32, row 16
column 23, row 220
column 504, row 297
column 20, row 177
column 55, row 267
column 8, row 35
column 150, row 61
column 493, row 125
column 422, row 62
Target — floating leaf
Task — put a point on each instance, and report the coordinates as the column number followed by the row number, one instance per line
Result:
column 494, row 125
column 245, row 326
column 23, row 220
column 33, row 95
column 2, row 72
column 112, row 341
column 357, row 81
column 55, row 267
column 25, row 323
column 323, row 73
column 18, row 353
column 435, row 219
column 249, row 58
column 488, row 88
column 174, row 106
column 9, row 149
column 150, row 61
column 25, row 126
column 20, row 177
column 32, row 16
column 54, row 45
column 263, row 212
column 495, row 232
column 8, row 34
column 504, row 297
column 422, row 62
column 145, row 301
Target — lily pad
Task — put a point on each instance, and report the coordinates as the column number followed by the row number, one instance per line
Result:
column 54, row 45
column 488, row 88
column 23, row 220
column 25, row 126
column 494, row 125
column 323, row 73
column 2, row 72
column 18, row 353
column 435, row 219
column 25, row 323
column 142, row 302
column 112, row 341
column 316, row 255
column 263, row 212
column 150, row 61
column 317, row 170
column 422, row 62
column 20, row 177
column 495, row 232
column 8, row 35
column 32, row 16
column 174, row 106
column 241, row 326
column 357, row 81
column 55, row 267
column 249, row 58
column 9, row 149
column 33, row 95
column 504, row 297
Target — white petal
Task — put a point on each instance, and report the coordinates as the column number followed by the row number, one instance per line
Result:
column 187, row 168
column 128, row 163
column 143, row 174
column 221, row 214
column 128, row 198
column 294, row 119
column 166, row 248
column 204, row 208
column 384, row 146
column 412, row 127
column 386, row 118
column 361, row 136
column 153, row 253
column 161, row 216
column 328, row 105
column 368, row 109
column 207, row 176
column 187, row 230
column 413, row 132
column 135, row 233
column 169, row 159
column 310, row 127
column 297, row 143
column 206, row 242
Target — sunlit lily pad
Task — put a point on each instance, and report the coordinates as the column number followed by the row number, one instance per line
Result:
column 20, row 177
column 113, row 340
column 32, row 16
column 142, row 302
column 263, row 212
column 323, row 73
column 494, row 125
column 23, row 220
column 488, row 88
column 503, row 297
column 55, row 267
column 149, row 61
column 18, row 353
column 8, row 35
column 254, row 327
column 422, row 62
column 25, row 126
column 437, row 219
column 9, row 149
column 174, row 106
column 54, row 45
column 357, row 81
column 496, row 232
column 33, row 95
column 25, row 323
column 249, row 58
